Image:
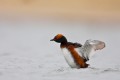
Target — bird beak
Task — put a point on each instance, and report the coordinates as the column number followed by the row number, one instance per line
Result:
column 52, row 40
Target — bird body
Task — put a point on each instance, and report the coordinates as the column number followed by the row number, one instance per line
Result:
column 76, row 54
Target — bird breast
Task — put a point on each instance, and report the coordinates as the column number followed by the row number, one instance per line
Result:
column 69, row 59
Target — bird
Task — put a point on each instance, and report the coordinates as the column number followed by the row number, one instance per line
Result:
column 76, row 54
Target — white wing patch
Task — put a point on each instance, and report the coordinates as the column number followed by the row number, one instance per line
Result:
column 89, row 48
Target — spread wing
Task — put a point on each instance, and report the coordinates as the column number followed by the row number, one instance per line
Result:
column 89, row 48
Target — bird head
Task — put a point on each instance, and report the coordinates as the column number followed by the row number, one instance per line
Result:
column 59, row 38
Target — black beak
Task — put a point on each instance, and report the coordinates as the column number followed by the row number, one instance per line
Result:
column 52, row 40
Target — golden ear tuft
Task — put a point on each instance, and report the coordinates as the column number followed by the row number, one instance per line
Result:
column 58, row 36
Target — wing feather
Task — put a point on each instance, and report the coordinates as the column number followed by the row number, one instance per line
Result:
column 89, row 48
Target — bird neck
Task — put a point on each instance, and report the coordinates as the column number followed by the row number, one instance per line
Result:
column 63, row 44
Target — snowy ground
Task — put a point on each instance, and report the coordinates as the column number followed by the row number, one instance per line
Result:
column 26, row 52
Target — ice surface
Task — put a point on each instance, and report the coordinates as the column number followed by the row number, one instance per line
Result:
column 26, row 52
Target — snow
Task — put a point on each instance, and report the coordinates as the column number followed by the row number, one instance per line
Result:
column 26, row 52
